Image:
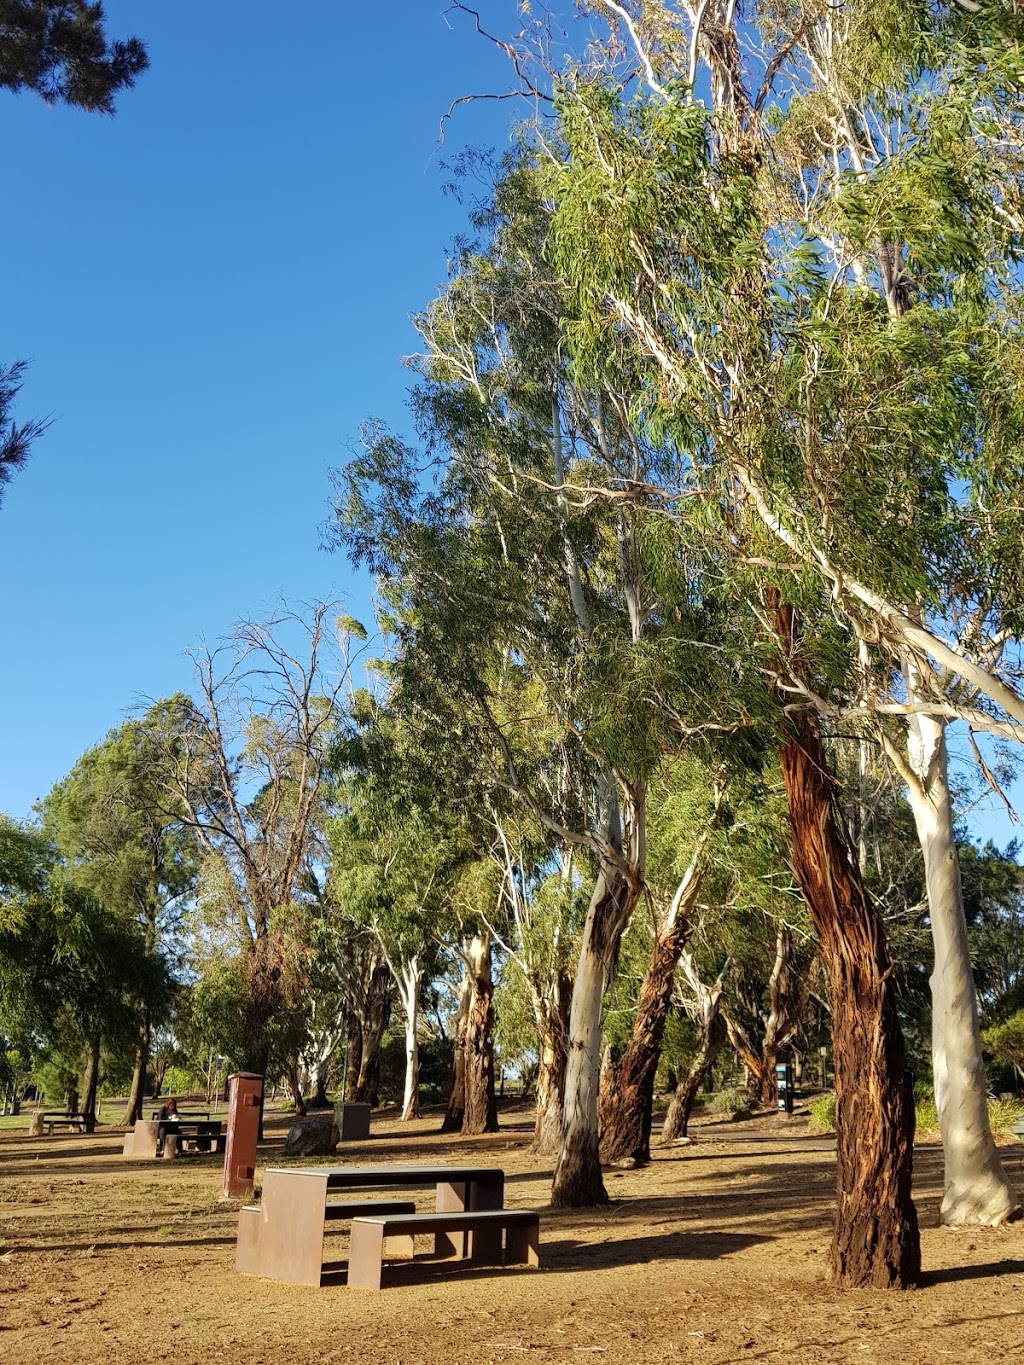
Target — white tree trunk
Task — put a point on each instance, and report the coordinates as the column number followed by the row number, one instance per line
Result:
column 577, row 1180
column 579, row 1139
column 409, row 988
column 976, row 1187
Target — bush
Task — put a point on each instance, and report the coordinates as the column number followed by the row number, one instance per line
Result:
column 823, row 1114
column 733, row 1102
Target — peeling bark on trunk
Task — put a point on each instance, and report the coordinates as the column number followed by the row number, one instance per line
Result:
column 374, row 1024
column 626, row 1100
column 876, row 1241
column 577, row 1181
column 353, row 1054
column 481, row 1108
column 677, row 1117
column 976, row 1186
column 787, row 1000
column 552, row 1015
column 705, row 1009
column 456, row 1111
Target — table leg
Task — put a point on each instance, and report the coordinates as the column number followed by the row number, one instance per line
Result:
column 365, row 1255
column 451, row 1199
column 291, row 1239
column 484, row 1245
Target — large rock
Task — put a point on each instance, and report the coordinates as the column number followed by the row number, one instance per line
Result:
column 314, row 1136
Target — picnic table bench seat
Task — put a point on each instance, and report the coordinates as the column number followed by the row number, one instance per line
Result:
column 290, row 1243
column 81, row 1123
column 371, row 1232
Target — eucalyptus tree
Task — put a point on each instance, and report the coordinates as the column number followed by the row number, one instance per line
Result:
column 370, row 990
column 657, row 225
column 546, row 890
column 536, row 625
column 391, row 871
column 108, row 822
column 475, row 895
column 824, row 343
column 717, row 880
column 626, row 1100
column 250, row 773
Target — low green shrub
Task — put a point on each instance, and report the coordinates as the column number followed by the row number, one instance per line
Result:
column 733, row 1101
column 823, row 1114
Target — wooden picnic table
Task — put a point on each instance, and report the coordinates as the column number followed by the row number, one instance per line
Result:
column 286, row 1241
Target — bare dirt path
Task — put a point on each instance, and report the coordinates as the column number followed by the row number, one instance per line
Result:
column 716, row 1253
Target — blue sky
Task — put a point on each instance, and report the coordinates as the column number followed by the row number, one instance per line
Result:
column 213, row 289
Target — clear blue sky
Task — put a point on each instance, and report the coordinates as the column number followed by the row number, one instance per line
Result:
column 213, row 289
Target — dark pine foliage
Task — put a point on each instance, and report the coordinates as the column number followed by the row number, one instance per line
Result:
column 58, row 48
column 15, row 440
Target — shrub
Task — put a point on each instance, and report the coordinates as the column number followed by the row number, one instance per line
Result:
column 823, row 1114
column 733, row 1102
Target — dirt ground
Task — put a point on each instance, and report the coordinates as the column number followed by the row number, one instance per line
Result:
column 715, row 1253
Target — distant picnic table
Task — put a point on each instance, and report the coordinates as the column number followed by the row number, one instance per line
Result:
column 79, row 1123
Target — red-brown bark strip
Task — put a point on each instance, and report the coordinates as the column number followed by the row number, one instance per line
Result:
column 876, row 1239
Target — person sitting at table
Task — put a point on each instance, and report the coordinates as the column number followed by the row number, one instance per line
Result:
column 169, row 1112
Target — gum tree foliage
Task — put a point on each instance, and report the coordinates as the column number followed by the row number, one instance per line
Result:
column 858, row 391
column 550, row 638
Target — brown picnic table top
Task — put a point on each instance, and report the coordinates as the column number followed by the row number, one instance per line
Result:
column 391, row 1173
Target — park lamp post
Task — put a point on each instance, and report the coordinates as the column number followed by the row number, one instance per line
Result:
column 824, row 1067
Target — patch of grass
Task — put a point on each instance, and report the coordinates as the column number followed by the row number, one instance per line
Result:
column 927, row 1116
column 164, row 1231
column 1002, row 1114
column 823, row 1114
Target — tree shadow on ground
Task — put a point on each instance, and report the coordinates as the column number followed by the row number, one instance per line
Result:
column 955, row 1273
column 568, row 1257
